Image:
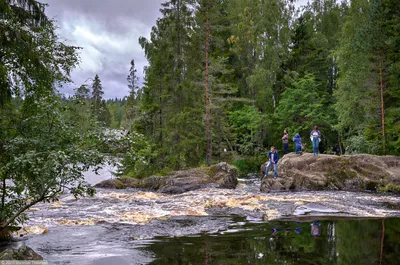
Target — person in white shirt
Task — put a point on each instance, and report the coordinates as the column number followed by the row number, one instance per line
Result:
column 315, row 137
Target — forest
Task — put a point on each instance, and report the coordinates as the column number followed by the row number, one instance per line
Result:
column 225, row 78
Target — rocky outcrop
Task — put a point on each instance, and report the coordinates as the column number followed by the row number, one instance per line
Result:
column 221, row 175
column 119, row 183
column 31, row 230
column 22, row 253
column 330, row 172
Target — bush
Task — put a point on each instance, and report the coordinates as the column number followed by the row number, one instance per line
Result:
column 249, row 165
column 389, row 188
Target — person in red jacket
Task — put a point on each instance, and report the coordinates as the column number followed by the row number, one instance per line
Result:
column 285, row 142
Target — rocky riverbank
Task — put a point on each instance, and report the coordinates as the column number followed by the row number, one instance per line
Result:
column 330, row 172
column 19, row 253
column 221, row 175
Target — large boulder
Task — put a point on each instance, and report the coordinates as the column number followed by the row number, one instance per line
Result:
column 22, row 253
column 330, row 172
column 221, row 175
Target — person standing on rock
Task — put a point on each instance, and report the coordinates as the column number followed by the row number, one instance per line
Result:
column 297, row 140
column 315, row 137
column 273, row 158
column 285, row 141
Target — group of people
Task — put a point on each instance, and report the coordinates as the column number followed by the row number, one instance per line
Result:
column 273, row 156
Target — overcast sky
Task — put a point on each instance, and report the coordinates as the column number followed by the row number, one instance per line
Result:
column 108, row 31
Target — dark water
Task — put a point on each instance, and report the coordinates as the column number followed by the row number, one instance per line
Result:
column 320, row 242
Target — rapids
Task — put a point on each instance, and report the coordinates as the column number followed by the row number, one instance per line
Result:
column 114, row 224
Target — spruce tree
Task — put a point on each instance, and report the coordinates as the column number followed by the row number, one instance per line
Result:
column 98, row 105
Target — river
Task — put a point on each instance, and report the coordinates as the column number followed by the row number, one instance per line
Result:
column 217, row 226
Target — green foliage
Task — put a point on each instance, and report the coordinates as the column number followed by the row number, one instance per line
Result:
column 137, row 160
column 32, row 59
column 389, row 188
column 46, row 142
column 46, row 156
column 249, row 164
column 246, row 123
column 118, row 115
column 301, row 107
column 366, row 54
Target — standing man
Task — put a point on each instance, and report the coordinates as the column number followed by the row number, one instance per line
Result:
column 285, row 141
column 273, row 159
column 315, row 137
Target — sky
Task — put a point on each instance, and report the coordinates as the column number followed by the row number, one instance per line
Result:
column 108, row 33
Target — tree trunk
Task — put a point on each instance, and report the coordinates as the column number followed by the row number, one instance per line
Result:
column 3, row 196
column 382, row 101
column 160, row 112
column 208, row 129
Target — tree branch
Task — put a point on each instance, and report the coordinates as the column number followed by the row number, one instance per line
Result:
column 27, row 206
column 3, row 196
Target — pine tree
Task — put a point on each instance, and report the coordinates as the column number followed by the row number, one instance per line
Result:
column 133, row 98
column 98, row 105
column 82, row 93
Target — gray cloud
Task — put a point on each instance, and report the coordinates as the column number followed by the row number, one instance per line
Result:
column 108, row 32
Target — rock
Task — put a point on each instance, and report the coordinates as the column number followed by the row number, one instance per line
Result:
column 252, row 176
column 271, row 184
column 117, row 183
column 31, row 230
column 221, row 175
column 330, row 172
column 22, row 253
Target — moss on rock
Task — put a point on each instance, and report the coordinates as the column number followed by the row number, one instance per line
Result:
column 221, row 175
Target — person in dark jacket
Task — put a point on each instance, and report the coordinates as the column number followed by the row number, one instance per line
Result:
column 297, row 140
column 285, row 141
column 273, row 158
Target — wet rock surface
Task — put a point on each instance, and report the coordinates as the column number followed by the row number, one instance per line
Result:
column 330, row 172
column 221, row 175
column 21, row 253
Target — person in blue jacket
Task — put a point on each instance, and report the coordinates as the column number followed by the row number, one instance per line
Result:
column 273, row 158
column 297, row 140
column 315, row 137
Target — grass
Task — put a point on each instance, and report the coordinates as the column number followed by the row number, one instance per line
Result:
column 389, row 188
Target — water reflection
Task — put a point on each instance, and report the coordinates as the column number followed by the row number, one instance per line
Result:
column 315, row 228
column 315, row 242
